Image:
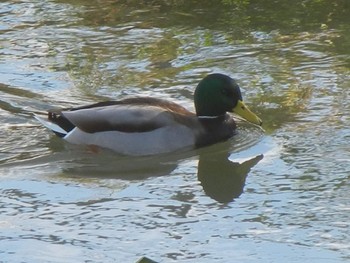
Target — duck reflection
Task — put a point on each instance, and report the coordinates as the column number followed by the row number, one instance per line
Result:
column 222, row 179
column 110, row 166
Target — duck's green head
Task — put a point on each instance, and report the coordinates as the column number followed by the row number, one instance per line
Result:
column 217, row 94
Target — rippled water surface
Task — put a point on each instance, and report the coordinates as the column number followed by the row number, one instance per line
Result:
column 278, row 195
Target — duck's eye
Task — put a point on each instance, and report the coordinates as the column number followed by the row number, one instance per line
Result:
column 225, row 92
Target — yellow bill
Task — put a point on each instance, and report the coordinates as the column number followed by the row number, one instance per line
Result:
column 242, row 110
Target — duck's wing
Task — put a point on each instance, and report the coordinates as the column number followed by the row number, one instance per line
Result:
column 124, row 118
column 131, row 115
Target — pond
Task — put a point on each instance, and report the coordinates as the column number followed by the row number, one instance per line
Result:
column 277, row 194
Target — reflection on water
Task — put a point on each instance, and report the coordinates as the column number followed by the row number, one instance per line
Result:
column 222, row 179
column 60, row 203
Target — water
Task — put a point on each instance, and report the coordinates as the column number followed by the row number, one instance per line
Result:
column 278, row 195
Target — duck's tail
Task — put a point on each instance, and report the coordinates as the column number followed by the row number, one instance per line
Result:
column 52, row 126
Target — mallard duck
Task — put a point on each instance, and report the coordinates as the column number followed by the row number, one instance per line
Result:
column 146, row 126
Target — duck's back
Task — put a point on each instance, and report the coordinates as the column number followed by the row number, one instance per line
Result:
column 137, row 126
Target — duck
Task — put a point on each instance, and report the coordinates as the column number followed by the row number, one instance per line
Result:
column 140, row 126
